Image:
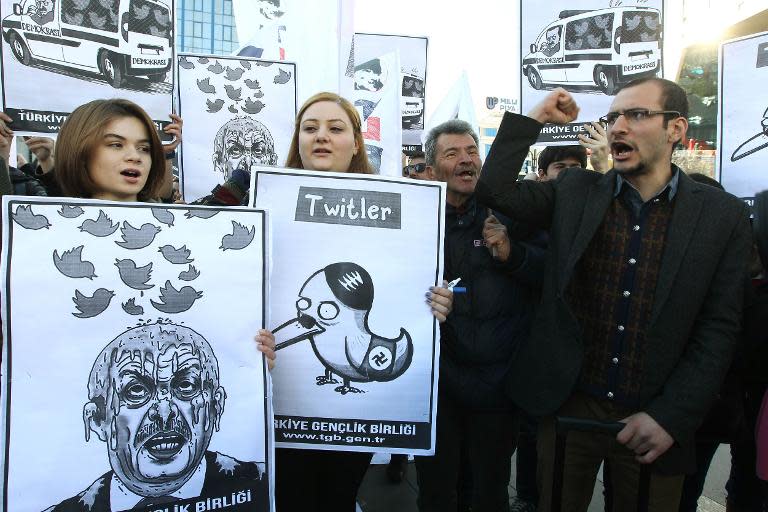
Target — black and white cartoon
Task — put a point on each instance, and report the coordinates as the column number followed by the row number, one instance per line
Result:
column 240, row 144
column 629, row 35
column 70, row 212
column 333, row 308
column 134, row 276
column 176, row 256
column 164, row 216
column 95, row 37
column 370, row 75
column 155, row 400
column 755, row 143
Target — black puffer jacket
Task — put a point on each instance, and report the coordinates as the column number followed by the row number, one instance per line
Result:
column 481, row 335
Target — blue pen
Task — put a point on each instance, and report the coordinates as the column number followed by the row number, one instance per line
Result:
column 459, row 289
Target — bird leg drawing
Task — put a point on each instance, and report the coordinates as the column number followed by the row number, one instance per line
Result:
column 332, row 314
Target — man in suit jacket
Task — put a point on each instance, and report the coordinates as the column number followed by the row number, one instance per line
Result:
column 642, row 294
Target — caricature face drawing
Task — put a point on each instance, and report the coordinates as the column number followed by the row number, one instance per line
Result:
column 41, row 11
column 155, row 399
column 240, row 144
column 370, row 76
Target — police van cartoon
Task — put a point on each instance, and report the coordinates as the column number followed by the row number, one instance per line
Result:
column 604, row 48
column 116, row 38
column 412, row 101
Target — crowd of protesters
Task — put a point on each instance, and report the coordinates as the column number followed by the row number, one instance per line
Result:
column 626, row 294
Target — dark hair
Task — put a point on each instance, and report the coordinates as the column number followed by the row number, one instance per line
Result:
column 673, row 97
column 554, row 153
column 82, row 132
column 416, row 153
column 359, row 163
column 371, row 65
column 705, row 180
column 351, row 284
column 450, row 127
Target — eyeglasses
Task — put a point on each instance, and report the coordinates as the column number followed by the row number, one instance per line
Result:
column 415, row 168
column 634, row 115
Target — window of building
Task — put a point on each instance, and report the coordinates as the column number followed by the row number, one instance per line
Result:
column 206, row 26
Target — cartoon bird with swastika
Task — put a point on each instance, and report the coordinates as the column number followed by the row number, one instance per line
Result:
column 333, row 308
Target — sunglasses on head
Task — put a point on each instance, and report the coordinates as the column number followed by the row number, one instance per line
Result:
column 414, row 168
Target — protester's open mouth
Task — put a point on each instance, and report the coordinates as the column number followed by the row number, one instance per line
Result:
column 621, row 151
column 164, row 445
column 132, row 174
column 321, row 151
column 467, row 175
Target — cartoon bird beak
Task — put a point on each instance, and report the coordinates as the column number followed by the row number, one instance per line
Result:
column 303, row 327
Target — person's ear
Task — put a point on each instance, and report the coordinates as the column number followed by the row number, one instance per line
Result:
column 219, row 397
column 430, row 172
column 676, row 129
column 93, row 420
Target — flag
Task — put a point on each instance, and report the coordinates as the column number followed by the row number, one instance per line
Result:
column 316, row 35
column 377, row 99
column 457, row 104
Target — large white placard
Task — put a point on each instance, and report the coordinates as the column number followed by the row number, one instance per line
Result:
column 743, row 116
column 358, row 347
column 413, row 67
column 590, row 52
column 238, row 112
column 130, row 375
column 59, row 54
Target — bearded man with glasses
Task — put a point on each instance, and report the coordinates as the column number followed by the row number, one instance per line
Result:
column 642, row 295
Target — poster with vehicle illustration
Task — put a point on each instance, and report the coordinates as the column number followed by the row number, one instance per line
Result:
column 59, row 54
column 742, row 121
column 130, row 375
column 590, row 51
column 413, row 75
column 358, row 347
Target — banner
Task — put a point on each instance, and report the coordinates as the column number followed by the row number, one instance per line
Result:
column 742, row 121
column 376, row 98
column 130, row 376
column 358, row 347
column 413, row 67
column 238, row 113
column 590, row 52
column 59, row 54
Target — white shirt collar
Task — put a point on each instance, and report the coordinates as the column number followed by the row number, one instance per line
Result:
column 120, row 498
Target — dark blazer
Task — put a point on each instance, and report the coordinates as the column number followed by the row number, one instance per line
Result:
column 696, row 313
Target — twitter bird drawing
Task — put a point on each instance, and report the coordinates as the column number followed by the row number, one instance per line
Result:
column 205, row 86
column 233, row 74
column 70, row 212
column 164, row 216
column 201, row 214
column 28, row 220
column 176, row 256
column 132, row 308
column 240, row 238
column 172, row 300
column 214, row 106
column 94, row 305
column 71, row 264
column 232, row 93
column 190, row 274
column 333, row 307
column 252, row 107
column 282, row 77
column 101, row 227
column 137, row 238
column 134, row 276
